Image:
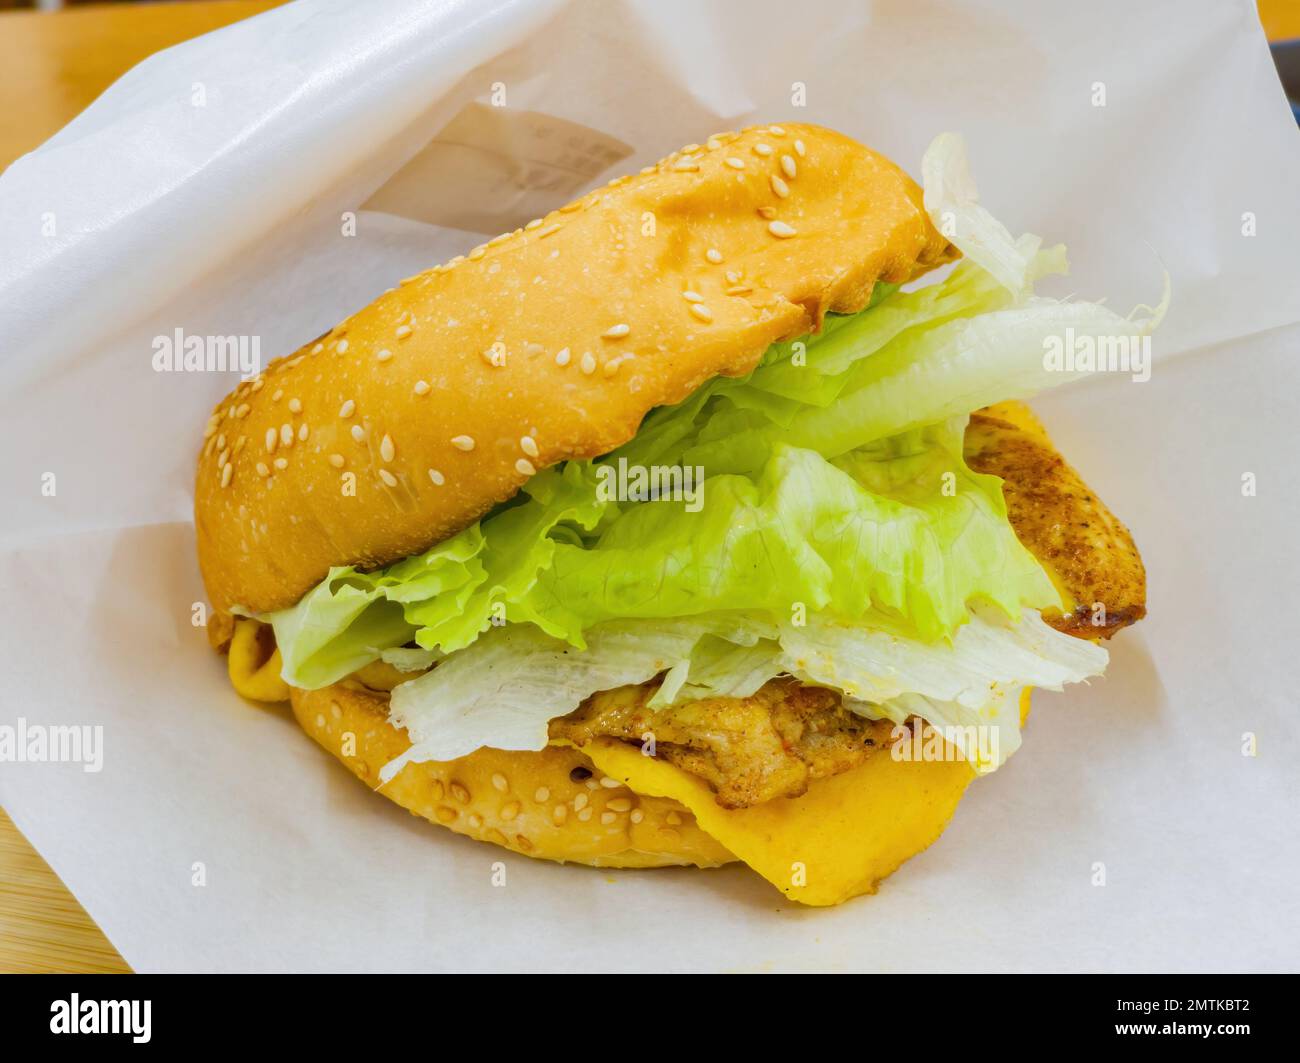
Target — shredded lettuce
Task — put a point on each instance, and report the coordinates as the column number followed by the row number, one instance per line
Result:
column 504, row 690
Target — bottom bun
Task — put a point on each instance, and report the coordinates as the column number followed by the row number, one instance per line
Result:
column 553, row 804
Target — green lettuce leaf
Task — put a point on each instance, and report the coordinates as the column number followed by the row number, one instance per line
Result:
column 901, row 526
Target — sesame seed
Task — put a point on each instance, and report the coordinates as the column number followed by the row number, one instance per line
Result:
column 690, row 149
column 608, row 783
column 799, row 149
column 580, row 802
column 455, row 261
column 358, row 433
column 528, row 445
column 789, row 166
column 223, row 457
column 776, row 130
column 739, row 289
column 562, row 356
column 421, row 387
column 617, row 332
column 242, row 411
column 510, row 811
column 271, row 437
column 388, row 477
column 303, row 430
column 701, row 311
column 384, row 355
column 673, row 818
column 525, row 467
column 318, row 348
column 713, row 255
column 498, row 240
column 277, row 394
column 477, row 253
column 584, row 815
column 336, row 460
column 465, row 443
column 686, row 166
column 637, row 815
column 692, row 297
column 767, row 213
column 209, row 430
column 343, row 346
column 569, row 208
column 780, row 187
column 536, row 223
column 386, row 449
column 295, row 406
column 781, row 229
column 221, row 440
column 549, row 230
column 347, row 409
column 259, row 383
column 763, row 149
column 262, row 470
column 281, row 463
column 437, row 477
column 227, row 471
column 495, row 355
column 403, row 331
column 588, row 363
column 541, row 795
column 619, row 804
column 735, row 163
column 499, row 781
column 733, row 276
column 286, row 434
column 607, row 818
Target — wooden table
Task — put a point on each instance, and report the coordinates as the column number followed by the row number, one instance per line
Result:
column 56, row 65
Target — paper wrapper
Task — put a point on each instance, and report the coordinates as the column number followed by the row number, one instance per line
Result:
column 209, row 190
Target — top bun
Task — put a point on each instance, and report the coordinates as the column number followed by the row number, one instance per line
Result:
column 414, row 416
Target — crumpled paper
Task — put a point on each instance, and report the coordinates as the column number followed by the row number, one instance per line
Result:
column 211, row 189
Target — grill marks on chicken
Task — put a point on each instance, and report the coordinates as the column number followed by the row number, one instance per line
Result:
column 750, row 750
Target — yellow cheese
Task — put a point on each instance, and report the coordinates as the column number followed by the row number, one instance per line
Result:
column 834, row 842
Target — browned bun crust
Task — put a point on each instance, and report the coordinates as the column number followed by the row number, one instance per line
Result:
column 772, row 227
column 524, row 801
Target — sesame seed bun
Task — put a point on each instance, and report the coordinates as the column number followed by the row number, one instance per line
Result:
column 413, row 417
column 552, row 804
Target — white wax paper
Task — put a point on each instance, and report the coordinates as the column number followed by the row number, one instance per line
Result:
column 151, row 212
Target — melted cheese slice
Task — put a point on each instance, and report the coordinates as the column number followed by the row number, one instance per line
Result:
column 834, row 842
